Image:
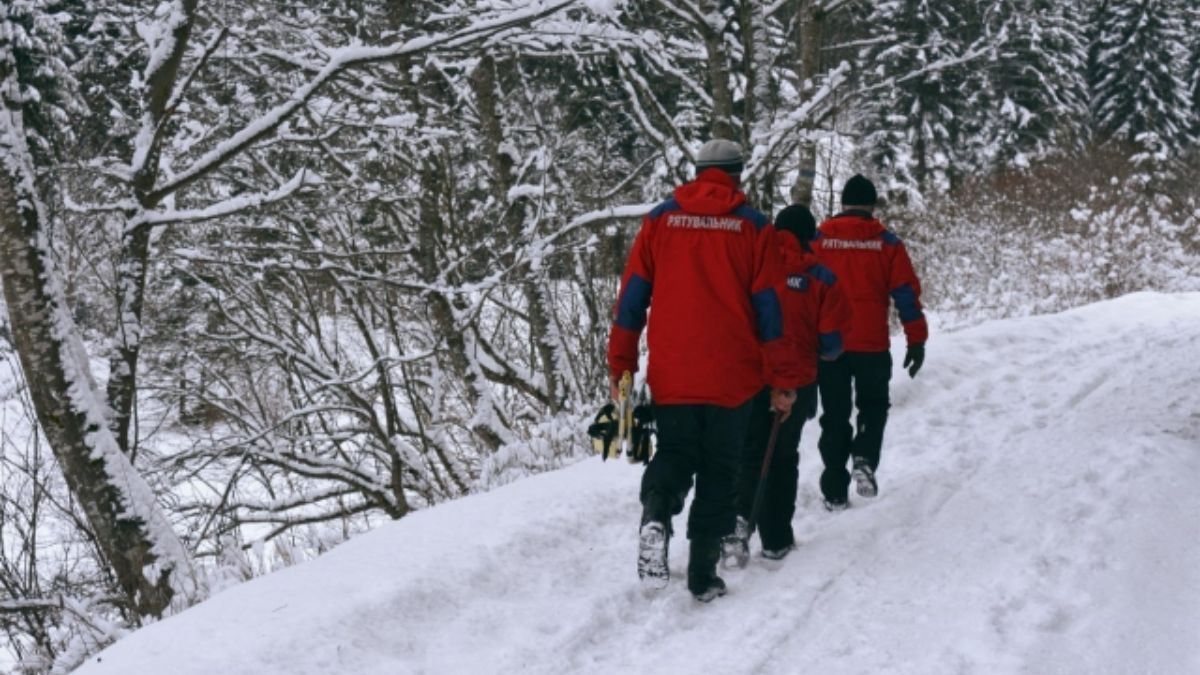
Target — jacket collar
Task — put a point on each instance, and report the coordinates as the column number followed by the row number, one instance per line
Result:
column 856, row 213
column 718, row 176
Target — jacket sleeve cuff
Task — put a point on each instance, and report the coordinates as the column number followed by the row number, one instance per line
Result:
column 916, row 332
column 830, row 345
column 777, row 381
column 622, row 351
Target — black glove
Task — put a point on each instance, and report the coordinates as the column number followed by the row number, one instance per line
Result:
column 806, row 401
column 914, row 357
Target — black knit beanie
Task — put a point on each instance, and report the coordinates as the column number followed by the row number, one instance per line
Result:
column 798, row 220
column 859, row 192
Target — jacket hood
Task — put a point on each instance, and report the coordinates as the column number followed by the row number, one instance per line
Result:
column 713, row 193
column 794, row 255
column 852, row 225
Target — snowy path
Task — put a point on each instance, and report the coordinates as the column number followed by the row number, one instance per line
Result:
column 1039, row 513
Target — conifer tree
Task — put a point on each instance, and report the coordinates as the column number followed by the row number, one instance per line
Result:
column 1194, row 74
column 1139, row 94
column 1035, row 96
column 913, row 81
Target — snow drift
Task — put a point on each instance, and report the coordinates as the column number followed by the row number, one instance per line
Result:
column 1037, row 513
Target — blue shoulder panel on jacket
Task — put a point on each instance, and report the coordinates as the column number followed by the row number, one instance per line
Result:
column 890, row 238
column 669, row 205
column 822, row 274
column 753, row 215
column 769, row 313
column 631, row 308
column 906, row 303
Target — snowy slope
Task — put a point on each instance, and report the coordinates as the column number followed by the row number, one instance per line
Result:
column 1039, row 512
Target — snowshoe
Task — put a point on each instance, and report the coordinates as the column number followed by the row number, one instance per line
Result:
column 652, row 556
column 603, row 432
column 735, row 547
column 864, row 479
column 641, row 436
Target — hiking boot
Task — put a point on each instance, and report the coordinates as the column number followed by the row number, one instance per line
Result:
column 735, row 547
column 832, row 505
column 703, row 581
column 708, row 590
column 653, row 571
column 864, row 478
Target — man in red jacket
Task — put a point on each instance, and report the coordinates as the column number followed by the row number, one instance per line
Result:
column 816, row 314
column 709, row 263
column 874, row 270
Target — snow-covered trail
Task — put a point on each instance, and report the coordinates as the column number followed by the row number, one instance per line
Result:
column 1038, row 512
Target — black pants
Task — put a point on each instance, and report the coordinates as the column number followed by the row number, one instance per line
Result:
column 704, row 441
column 868, row 373
column 779, row 499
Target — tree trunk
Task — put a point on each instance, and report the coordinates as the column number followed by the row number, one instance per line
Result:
column 135, row 243
column 131, row 531
column 441, row 309
column 483, row 84
column 758, row 106
column 811, row 28
column 713, row 30
column 131, row 294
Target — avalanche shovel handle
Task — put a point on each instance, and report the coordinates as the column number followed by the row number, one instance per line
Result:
column 761, row 491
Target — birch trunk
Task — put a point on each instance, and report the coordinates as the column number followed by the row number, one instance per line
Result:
column 130, row 530
column 811, row 29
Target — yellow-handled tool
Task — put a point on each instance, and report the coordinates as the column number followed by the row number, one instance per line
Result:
column 624, row 415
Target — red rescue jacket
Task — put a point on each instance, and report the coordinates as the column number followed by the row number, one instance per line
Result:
column 873, row 267
column 707, row 267
column 816, row 314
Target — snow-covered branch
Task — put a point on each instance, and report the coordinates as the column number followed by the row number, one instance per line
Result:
column 339, row 60
column 228, row 207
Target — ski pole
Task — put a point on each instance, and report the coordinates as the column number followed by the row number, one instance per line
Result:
column 761, row 491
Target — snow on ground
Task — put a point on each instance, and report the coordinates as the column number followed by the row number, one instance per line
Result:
column 1038, row 513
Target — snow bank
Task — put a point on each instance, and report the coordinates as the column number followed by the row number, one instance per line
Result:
column 1037, row 514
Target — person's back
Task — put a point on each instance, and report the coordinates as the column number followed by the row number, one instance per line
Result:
column 707, row 266
column 810, row 300
column 704, row 248
column 815, row 314
column 873, row 269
